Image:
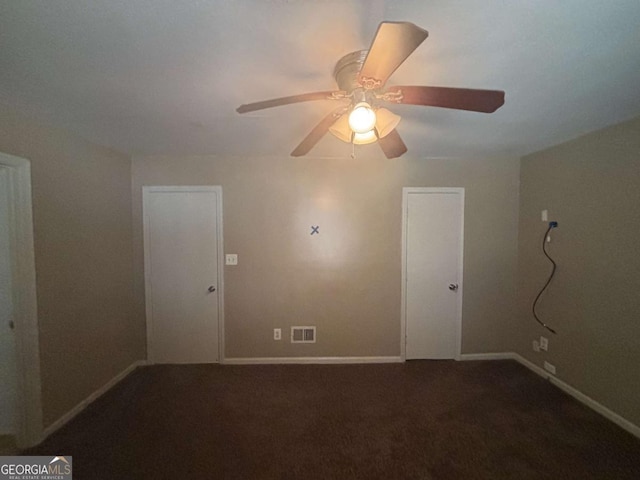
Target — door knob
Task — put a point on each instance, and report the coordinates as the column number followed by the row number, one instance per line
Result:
column 211, row 289
column 453, row 286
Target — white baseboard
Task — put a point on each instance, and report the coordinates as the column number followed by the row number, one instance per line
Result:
column 530, row 365
column 64, row 419
column 598, row 407
column 565, row 387
column 309, row 360
column 581, row 397
column 486, row 356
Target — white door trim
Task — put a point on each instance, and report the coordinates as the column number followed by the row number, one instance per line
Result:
column 147, row 274
column 29, row 425
column 403, row 304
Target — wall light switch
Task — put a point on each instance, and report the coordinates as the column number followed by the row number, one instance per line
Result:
column 231, row 259
column 545, row 215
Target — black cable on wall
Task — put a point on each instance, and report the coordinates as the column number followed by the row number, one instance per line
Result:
column 553, row 271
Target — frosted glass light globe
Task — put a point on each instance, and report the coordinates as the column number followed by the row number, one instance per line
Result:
column 362, row 118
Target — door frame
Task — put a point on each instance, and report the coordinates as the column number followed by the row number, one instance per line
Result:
column 406, row 191
column 146, row 191
column 29, row 421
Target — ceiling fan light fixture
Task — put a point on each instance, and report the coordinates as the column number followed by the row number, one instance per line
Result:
column 362, row 118
column 386, row 122
column 361, row 77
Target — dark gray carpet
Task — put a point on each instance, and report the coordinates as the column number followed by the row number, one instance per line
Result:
column 420, row 420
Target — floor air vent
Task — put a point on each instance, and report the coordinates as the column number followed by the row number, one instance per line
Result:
column 303, row 334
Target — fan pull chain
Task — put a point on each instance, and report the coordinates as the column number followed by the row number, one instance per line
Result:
column 353, row 151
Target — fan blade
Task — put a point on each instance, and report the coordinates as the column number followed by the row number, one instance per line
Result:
column 392, row 145
column 486, row 101
column 392, row 44
column 317, row 133
column 276, row 102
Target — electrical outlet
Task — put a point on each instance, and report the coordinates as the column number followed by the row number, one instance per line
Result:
column 277, row 334
column 545, row 215
column 536, row 346
column 550, row 368
column 544, row 343
column 231, row 259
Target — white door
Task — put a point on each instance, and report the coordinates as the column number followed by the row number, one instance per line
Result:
column 183, row 282
column 433, row 235
column 8, row 377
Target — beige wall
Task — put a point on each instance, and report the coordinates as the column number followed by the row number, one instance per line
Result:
column 82, row 235
column 346, row 280
column 591, row 187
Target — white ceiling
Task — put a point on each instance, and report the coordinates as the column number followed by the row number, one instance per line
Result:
column 165, row 76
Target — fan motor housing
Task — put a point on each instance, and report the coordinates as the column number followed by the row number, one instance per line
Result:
column 347, row 69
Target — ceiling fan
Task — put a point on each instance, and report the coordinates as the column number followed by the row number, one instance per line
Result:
column 361, row 77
